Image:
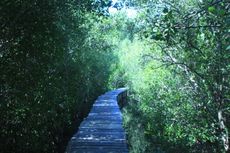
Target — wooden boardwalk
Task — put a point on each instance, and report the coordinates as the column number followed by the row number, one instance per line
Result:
column 102, row 131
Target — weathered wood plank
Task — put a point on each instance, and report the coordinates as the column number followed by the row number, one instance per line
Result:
column 107, row 143
column 118, row 114
column 99, row 122
column 99, row 130
column 101, row 150
column 107, row 117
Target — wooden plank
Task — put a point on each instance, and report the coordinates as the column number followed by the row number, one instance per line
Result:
column 112, row 147
column 103, row 135
column 107, row 117
column 109, row 109
column 100, row 150
column 106, row 101
column 96, row 122
column 119, row 133
column 104, row 143
column 102, row 126
column 118, row 114
column 97, row 140
column 105, row 104
column 99, row 130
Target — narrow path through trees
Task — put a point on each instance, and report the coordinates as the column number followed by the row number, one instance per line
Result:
column 102, row 130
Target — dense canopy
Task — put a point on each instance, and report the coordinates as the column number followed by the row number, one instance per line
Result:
column 57, row 56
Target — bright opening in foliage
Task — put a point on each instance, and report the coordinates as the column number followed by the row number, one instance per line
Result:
column 130, row 12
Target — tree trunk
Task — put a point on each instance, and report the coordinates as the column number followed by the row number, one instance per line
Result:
column 223, row 131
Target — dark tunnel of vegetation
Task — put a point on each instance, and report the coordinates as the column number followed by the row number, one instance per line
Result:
column 57, row 56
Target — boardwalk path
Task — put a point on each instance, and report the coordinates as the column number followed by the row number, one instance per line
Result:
column 102, row 131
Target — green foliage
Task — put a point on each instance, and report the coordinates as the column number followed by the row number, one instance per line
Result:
column 177, row 69
column 53, row 64
column 135, row 130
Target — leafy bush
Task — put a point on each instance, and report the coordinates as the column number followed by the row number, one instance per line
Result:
column 51, row 72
